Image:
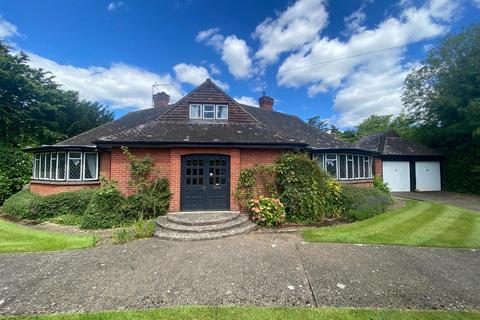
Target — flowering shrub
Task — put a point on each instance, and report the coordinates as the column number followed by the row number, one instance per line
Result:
column 267, row 211
column 334, row 201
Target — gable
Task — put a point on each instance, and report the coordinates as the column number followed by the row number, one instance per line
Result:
column 208, row 93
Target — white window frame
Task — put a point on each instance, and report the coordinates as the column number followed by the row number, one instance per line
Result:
column 216, row 111
column 84, row 156
column 201, row 111
column 339, row 164
column 68, row 166
column 51, row 161
column 64, row 167
column 363, row 161
column 336, row 163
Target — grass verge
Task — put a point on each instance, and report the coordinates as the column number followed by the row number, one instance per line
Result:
column 260, row 313
column 418, row 223
column 17, row 238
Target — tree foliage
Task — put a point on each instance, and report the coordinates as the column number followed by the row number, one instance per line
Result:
column 443, row 95
column 34, row 110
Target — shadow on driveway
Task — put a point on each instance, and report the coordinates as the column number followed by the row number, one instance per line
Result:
column 463, row 200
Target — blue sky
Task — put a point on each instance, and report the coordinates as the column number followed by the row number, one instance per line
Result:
column 299, row 52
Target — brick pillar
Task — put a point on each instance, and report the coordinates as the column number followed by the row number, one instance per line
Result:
column 377, row 163
column 105, row 164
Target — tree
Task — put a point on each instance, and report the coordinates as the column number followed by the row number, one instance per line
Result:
column 34, row 110
column 323, row 125
column 443, row 95
column 374, row 124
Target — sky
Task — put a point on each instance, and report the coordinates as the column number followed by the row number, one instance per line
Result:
column 341, row 60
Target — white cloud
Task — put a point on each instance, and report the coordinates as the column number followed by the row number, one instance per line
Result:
column 297, row 25
column 251, row 101
column 364, row 76
column 214, row 69
column 115, row 5
column 195, row 75
column 476, row 3
column 354, row 22
column 119, row 85
column 235, row 54
column 7, row 29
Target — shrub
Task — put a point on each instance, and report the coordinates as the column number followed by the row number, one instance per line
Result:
column 335, row 201
column 267, row 211
column 302, row 186
column 19, row 204
column 139, row 230
column 380, row 185
column 104, row 210
column 363, row 203
column 73, row 202
column 254, row 182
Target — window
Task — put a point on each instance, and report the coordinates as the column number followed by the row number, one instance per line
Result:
column 208, row 111
column 222, row 112
column 90, row 165
column 331, row 163
column 61, row 166
column 345, row 166
column 53, row 166
column 36, row 166
column 74, row 166
column 195, row 111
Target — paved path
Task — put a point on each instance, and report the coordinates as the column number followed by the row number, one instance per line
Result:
column 463, row 200
column 254, row 269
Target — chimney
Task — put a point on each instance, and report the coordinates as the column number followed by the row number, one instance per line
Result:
column 161, row 100
column 266, row 103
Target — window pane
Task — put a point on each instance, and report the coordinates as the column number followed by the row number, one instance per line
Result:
column 42, row 166
column 222, row 112
column 61, row 166
column 53, row 167
column 74, row 165
column 350, row 166
column 343, row 166
column 362, row 172
column 90, row 165
column 195, row 111
column 208, row 111
column 37, row 166
column 47, row 166
column 355, row 166
column 318, row 158
column 331, row 163
column 367, row 173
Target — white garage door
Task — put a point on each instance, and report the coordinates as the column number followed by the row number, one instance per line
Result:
column 427, row 175
column 397, row 175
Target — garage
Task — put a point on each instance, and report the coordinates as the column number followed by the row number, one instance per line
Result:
column 427, row 176
column 397, row 175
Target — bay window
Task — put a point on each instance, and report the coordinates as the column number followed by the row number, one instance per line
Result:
column 65, row 166
column 343, row 166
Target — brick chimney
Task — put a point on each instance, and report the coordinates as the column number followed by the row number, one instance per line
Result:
column 266, row 103
column 161, row 100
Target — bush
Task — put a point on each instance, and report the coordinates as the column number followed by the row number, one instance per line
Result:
column 335, row 201
column 105, row 209
column 150, row 203
column 380, row 185
column 15, row 170
column 267, row 211
column 73, row 203
column 255, row 182
column 364, row 203
column 140, row 229
column 19, row 204
column 302, row 186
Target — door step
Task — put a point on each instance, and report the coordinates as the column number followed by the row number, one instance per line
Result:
column 202, row 225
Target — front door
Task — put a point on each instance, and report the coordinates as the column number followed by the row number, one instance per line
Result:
column 205, row 183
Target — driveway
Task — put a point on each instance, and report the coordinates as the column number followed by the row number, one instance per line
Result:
column 463, row 200
column 253, row 269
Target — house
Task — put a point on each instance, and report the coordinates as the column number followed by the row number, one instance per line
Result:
column 200, row 143
column 404, row 165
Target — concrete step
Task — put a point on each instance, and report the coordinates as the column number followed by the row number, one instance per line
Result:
column 198, row 218
column 165, row 223
column 166, row 234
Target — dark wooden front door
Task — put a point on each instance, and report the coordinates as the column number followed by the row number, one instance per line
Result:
column 205, row 183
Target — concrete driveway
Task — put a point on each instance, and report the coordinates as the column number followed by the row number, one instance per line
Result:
column 253, row 269
column 463, row 200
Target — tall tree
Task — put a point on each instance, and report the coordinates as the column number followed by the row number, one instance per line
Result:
column 322, row 124
column 443, row 94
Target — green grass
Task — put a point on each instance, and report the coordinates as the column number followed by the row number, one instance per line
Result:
column 418, row 223
column 235, row 313
column 17, row 238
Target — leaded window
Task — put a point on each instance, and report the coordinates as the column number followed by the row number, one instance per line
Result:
column 345, row 166
column 209, row 111
column 74, row 166
column 331, row 163
column 90, row 165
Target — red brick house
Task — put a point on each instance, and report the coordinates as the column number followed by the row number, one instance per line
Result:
column 200, row 143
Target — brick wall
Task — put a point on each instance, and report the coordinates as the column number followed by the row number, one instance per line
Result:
column 358, row 183
column 113, row 165
column 377, row 167
column 46, row 189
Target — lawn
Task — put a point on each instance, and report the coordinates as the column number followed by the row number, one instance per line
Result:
column 237, row 313
column 418, row 223
column 17, row 238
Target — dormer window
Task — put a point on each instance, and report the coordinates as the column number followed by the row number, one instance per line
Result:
column 209, row 111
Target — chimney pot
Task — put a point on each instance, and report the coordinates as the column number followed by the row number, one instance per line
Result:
column 161, row 100
column 266, row 103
